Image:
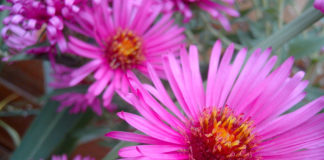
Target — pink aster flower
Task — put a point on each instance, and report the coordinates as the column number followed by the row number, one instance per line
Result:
column 127, row 38
column 75, row 100
column 239, row 115
column 78, row 157
column 19, row 39
column 33, row 15
column 218, row 10
column 319, row 4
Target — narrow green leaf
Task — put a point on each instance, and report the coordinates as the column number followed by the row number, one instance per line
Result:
column 20, row 57
column 46, row 132
column 289, row 31
column 23, row 54
column 91, row 132
column 71, row 141
column 304, row 47
column 113, row 154
column 12, row 132
column 313, row 93
column 19, row 112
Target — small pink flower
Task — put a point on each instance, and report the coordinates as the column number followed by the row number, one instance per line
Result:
column 127, row 39
column 319, row 4
column 77, row 102
column 38, row 16
column 20, row 39
column 240, row 114
column 218, row 10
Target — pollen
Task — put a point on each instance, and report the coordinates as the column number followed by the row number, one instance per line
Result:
column 124, row 50
column 221, row 135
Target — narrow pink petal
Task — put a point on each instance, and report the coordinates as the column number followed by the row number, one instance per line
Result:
column 163, row 114
column 116, row 9
column 275, row 81
column 84, row 71
column 108, row 93
column 199, row 93
column 224, row 70
column 146, row 150
column 134, row 137
column 234, row 72
column 291, row 120
column 164, row 97
column 148, row 128
column 83, row 49
column 212, row 71
column 178, row 87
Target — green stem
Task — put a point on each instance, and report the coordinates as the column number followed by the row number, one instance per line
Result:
column 191, row 37
column 12, row 132
column 23, row 113
column 310, row 71
column 289, row 31
column 281, row 13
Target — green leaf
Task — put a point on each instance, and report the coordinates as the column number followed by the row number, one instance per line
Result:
column 113, row 154
column 23, row 55
column 71, row 141
column 304, row 47
column 291, row 30
column 91, row 132
column 46, row 132
column 313, row 93
column 20, row 57
column 12, row 132
column 37, row 45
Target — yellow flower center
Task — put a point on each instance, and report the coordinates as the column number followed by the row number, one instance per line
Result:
column 124, row 50
column 220, row 134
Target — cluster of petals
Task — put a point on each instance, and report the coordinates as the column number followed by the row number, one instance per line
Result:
column 319, row 4
column 37, row 17
column 250, row 87
column 20, row 38
column 102, row 21
column 75, row 100
column 78, row 157
column 218, row 10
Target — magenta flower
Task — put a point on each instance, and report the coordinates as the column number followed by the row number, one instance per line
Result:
column 76, row 101
column 38, row 16
column 319, row 4
column 127, row 38
column 240, row 114
column 218, row 10
column 78, row 157
column 20, row 38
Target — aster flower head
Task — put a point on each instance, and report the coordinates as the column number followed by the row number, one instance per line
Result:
column 127, row 38
column 218, row 10
column 319, row 4
column 75, row 100
column 20, row 39
column 78, row 157
column 239, row 115
column 38, row 16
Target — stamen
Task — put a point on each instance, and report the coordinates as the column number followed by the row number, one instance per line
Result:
column 124, row 50
column 220, row 134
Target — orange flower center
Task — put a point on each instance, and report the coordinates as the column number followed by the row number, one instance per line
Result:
column 221, row 135
column 124, row 50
